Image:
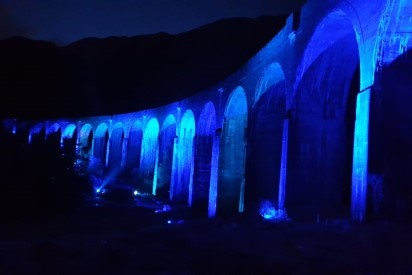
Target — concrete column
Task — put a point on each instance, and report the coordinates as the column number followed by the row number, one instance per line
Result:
column 214, row 175
column 283, row 165
column 124, row 152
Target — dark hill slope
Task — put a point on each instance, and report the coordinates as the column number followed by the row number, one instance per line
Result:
column 124, row 74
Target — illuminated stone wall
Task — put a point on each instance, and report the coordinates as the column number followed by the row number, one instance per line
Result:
column 302, row 124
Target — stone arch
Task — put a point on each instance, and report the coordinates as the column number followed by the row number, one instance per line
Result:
column 134, row 148
column 69, row 141
column 271, row 76
column 391, row 145
column 322, row 124
column 150, row 152
column 265, row 135
column 203, row 156
column 70, row 131
column 21, row 131
column 116, row 146
column 391, row 120
column 86, row 142
column 37, row 134
column 54, row 136
column 183, row 186
column 55, row 127
column 327, row 33
column 231, row 181
column 166, row 153
column 100, row 147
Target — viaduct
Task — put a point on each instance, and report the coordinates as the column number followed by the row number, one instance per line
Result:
column 307, row 123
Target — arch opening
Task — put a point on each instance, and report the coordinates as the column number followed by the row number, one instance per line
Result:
column 231, row 181
column 134, row 148
column 69, row 142
column 54, row 137
column 390, row 193
column 116, row 147
column 203, row 156
column 37, row 135
column 265, row 136
column 166, row 151
column 322, row 125
column 100, row 151
column 183, row 186
column 84, row 148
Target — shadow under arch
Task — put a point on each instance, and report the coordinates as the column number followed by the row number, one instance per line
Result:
column 202, row 192
column 166, row 152
column 149, row 158
column 322, row 125
column 134, row 148
column 265, row 136
column 37, row 134
column 54, row 137
column 391, row 193
column 231, row 179
column 69, row 141
column 116, row 147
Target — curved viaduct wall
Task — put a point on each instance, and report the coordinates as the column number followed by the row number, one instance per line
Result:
column 301, row 124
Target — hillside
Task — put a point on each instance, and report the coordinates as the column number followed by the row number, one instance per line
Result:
column 123, row 74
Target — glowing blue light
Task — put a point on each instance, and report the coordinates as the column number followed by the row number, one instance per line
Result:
column 174, row 173
column 69, row 131
column 149, row 153
column 272, row 75
column 150, row 136
column 36, row 131
column 184, row 156
column 135, row 192
column 169, row 121
column 325, row 36
column 233, row 155
column 53, row 128
column 156, row 170
column 10, row 125
column 360, row 156
column 165, row 208
column 283, row 165
column 98, row 190
column 214, row 172
column 269, row 212
column 166, row 156
column 100, row 150
column 175, row 221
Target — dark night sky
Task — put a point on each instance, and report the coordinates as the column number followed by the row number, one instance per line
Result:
column 65, row 21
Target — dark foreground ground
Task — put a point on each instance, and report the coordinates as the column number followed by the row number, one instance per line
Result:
column 130, row 239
